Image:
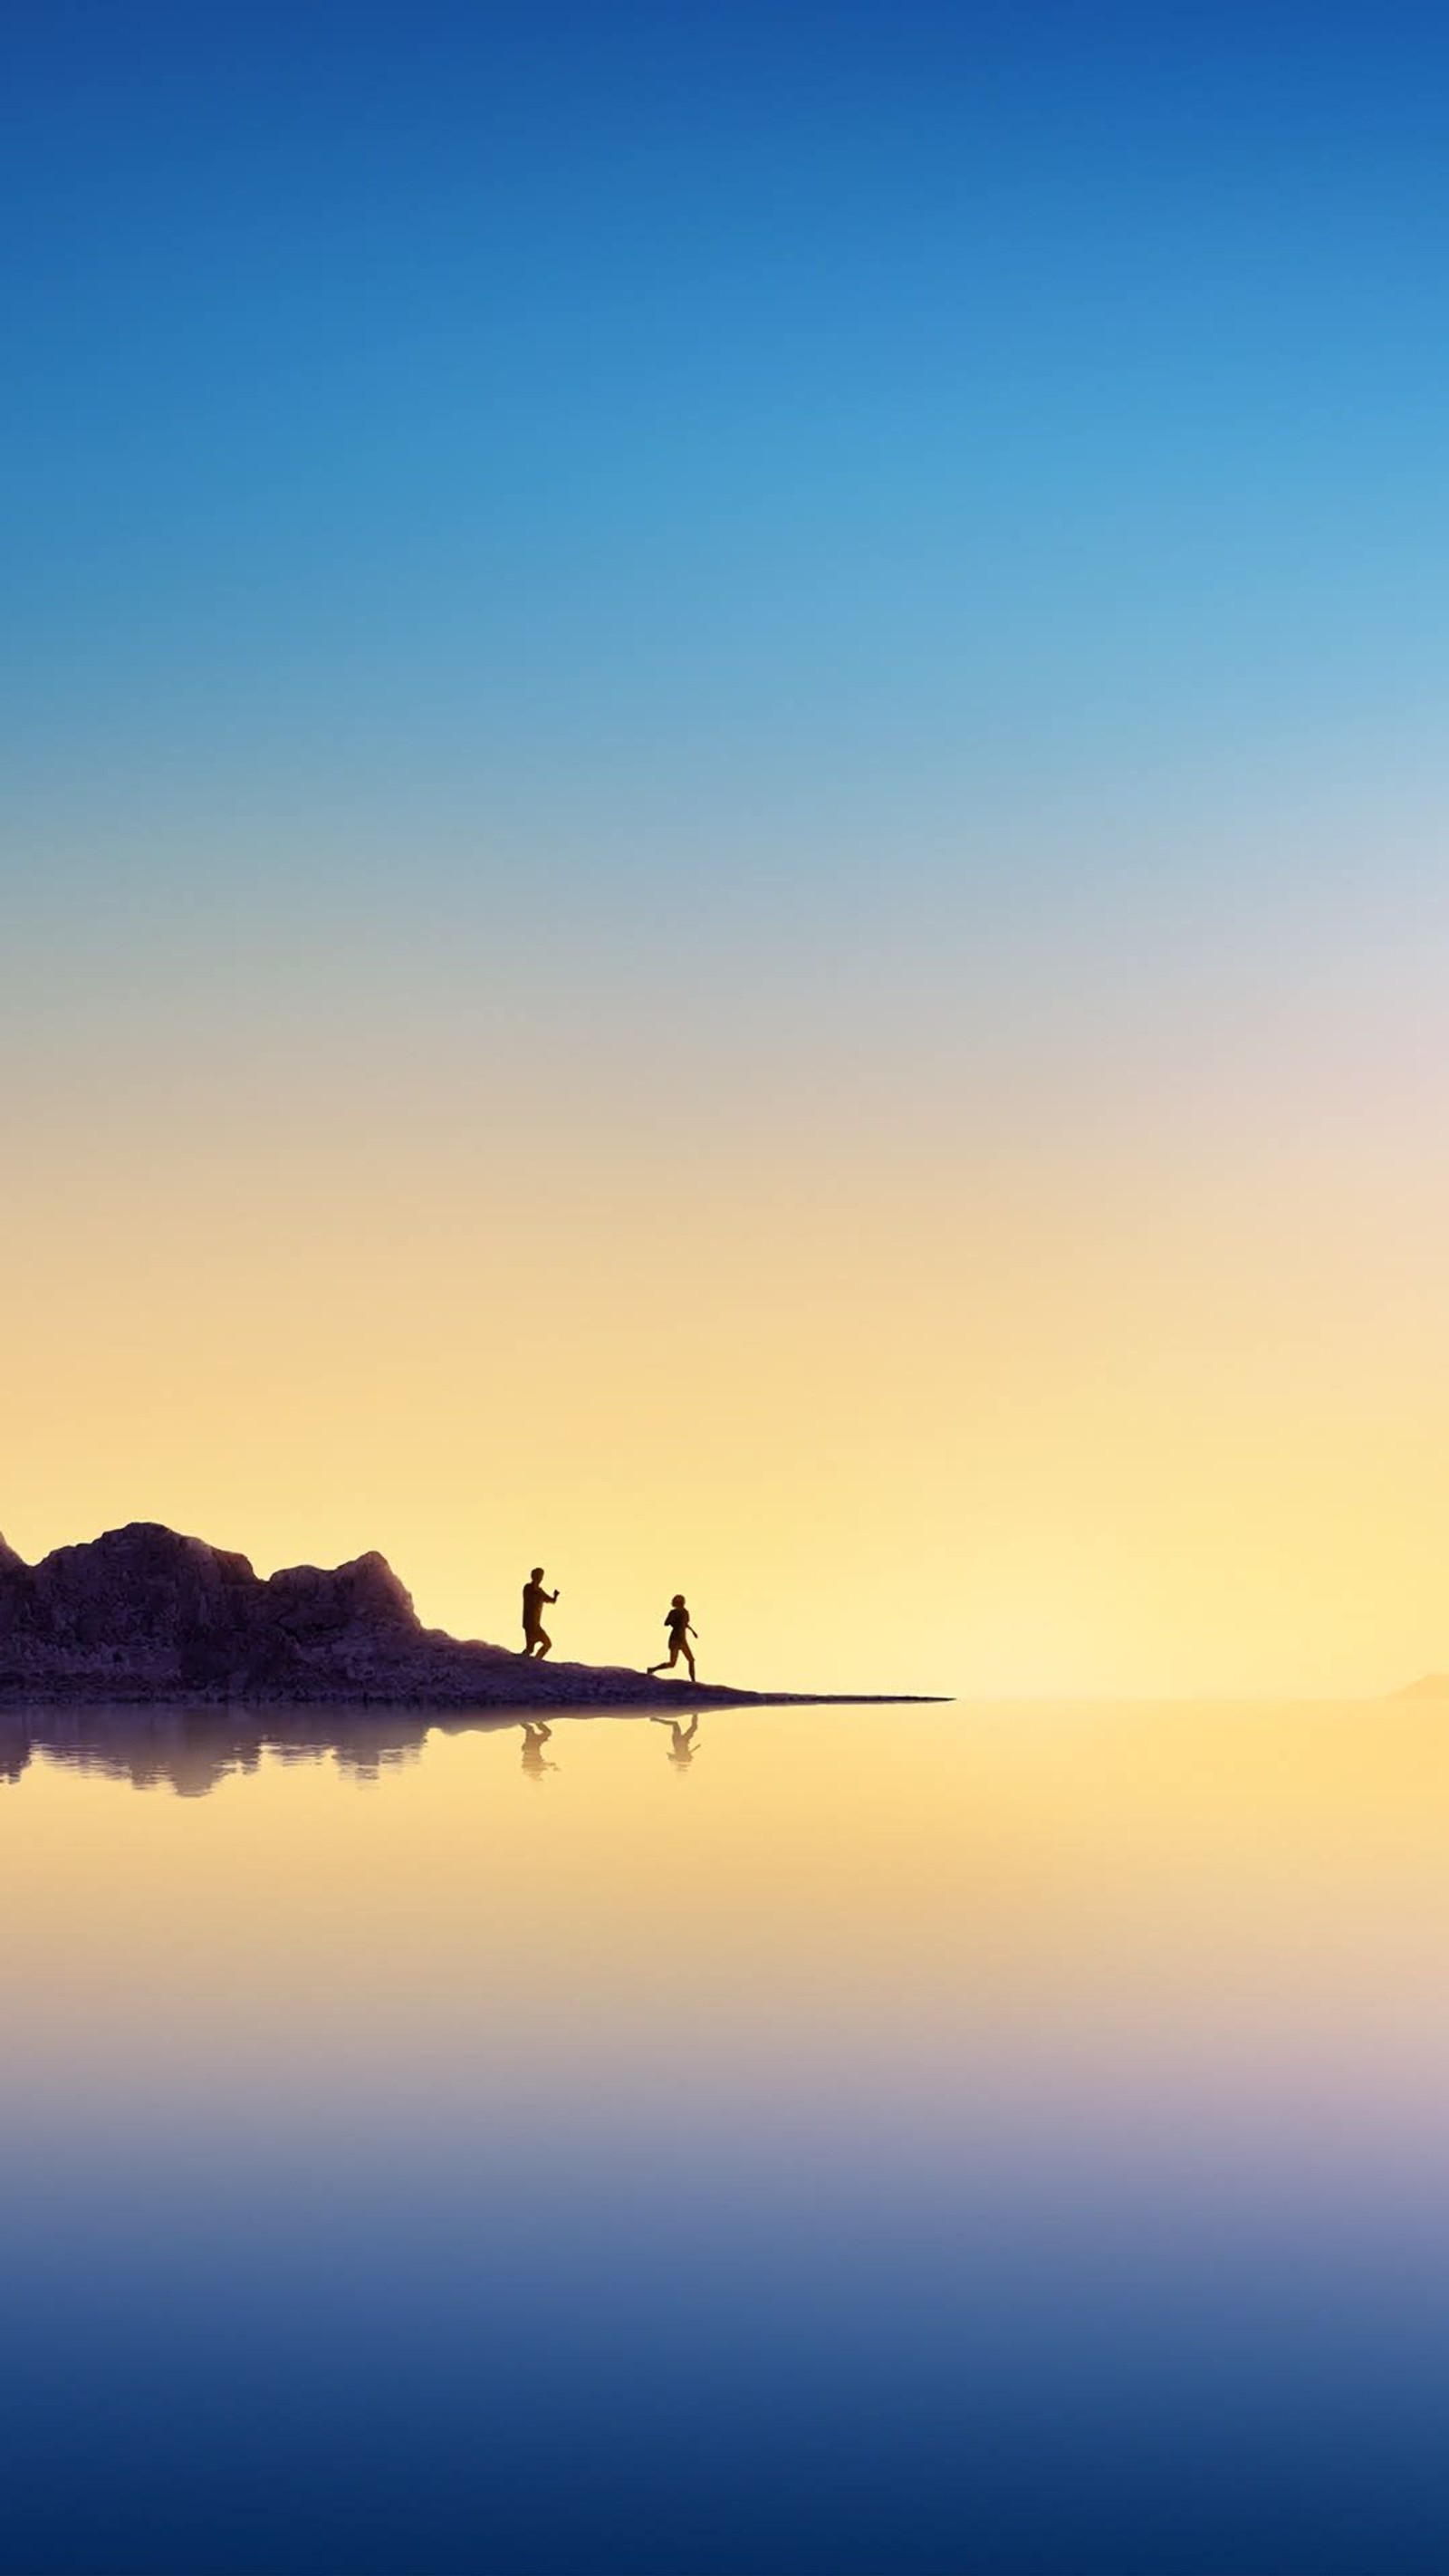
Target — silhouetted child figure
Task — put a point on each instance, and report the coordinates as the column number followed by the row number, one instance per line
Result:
column 534, row 1631
column 680, row 1632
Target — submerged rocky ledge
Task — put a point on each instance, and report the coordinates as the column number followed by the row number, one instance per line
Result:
column 144, row 1615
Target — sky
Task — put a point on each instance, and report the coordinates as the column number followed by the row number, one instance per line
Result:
column 723, row 789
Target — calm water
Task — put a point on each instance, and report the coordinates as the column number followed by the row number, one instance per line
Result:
column 863, row 2140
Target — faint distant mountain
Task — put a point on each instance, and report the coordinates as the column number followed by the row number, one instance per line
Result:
column 1430, row 1686
column 142, row 1614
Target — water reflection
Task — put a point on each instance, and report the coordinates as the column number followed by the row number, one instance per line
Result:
column 681, row 1750
column 1081, row 2081
column 190, row 1750
column 536, row 1734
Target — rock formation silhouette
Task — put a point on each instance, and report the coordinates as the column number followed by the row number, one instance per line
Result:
column 142, row 1614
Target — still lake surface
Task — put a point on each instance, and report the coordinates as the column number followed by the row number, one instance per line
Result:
column 907, row 2139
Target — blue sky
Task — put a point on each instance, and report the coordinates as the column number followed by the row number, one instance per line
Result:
column 614, row 408
column 848, row 502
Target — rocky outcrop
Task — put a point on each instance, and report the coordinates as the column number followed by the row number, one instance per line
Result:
column 142, row 1614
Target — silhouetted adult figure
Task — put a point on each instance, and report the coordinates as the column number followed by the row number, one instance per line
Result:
column 676, row 1620
column 536, row 1734
column 534, row 1631
column 681, row 1752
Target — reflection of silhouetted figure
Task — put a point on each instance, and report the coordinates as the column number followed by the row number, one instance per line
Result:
column 534, row 1597
column 681, row 1751
column 680, row 1632
column 535, row 1736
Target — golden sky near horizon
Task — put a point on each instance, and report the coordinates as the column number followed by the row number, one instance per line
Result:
column 1097, row 1348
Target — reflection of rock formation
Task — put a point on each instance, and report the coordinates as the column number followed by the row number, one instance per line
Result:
column 191, row 1749
column 14, row 1744
column 142, row 1614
